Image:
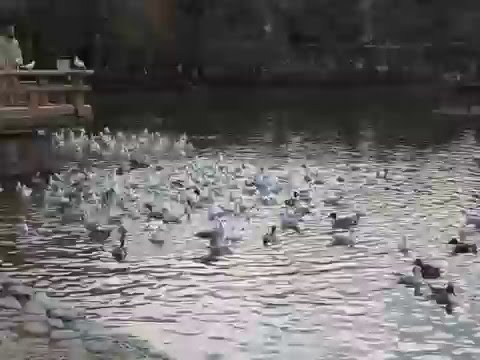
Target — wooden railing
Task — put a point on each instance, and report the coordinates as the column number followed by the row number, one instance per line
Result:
column 37, row 91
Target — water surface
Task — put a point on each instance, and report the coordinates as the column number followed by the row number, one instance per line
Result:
column 301, row 298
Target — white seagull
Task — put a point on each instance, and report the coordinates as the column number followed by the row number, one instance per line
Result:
column 78, row 63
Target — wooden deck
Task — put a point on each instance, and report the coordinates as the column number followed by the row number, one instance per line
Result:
column 43, row 98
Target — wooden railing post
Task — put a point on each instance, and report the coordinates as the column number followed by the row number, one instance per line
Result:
column 33, row 102
column 78, row 96
column 43, row 97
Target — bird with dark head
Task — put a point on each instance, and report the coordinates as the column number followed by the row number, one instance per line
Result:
column 428, row 271
column 461, row 247
column 450, row 289
column 443, row 295
column 120, row 252
column 293, row 200
column 344, row 222
column 270, row 237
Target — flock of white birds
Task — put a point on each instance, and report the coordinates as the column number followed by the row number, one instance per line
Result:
column 138, row 184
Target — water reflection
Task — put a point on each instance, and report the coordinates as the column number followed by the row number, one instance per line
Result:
column 27, row 154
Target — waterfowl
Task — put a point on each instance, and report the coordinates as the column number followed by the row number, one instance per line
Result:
column 293, row 201
column 153, row 214
column 343, row 239
column 100, row 234
column 157, row 237
column 333, row 200
column 217, row 246
column 205, row 234
column 311, row 178
column 411, row 280
column 289, row 221
column 428, row 271
column 470, row 219
column 234, row 232
column 307, row 176
column 443, row 296
column 270, row 237
column 169, row 218
column 24, row 190
column 383, row 174
column 120, row 252
column 438, row 290
column 462, row 248
column 268, row 200
column 22, row 228
column 344, row 222
column 215, row 212
column 135, row 164
column 301, row 211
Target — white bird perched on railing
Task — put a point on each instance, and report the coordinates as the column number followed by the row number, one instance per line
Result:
column 28, row 66
column 79, row 64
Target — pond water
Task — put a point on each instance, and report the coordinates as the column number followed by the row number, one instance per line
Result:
column 301, row 297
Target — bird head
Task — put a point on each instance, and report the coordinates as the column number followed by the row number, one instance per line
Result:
column 450, row 289
column 418, row 262
column 417, row 271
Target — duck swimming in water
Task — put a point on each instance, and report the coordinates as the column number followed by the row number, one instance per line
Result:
column 411, row 280
column 135, row 164
column 443, row 296
column 217, row 247
column 289, row 221
column 270, row 237
column 462, row 248
column 169, row 218
column 120, row 252
column 428, row 271
column 293, row 201
column 344, row 222
column 470, row 218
